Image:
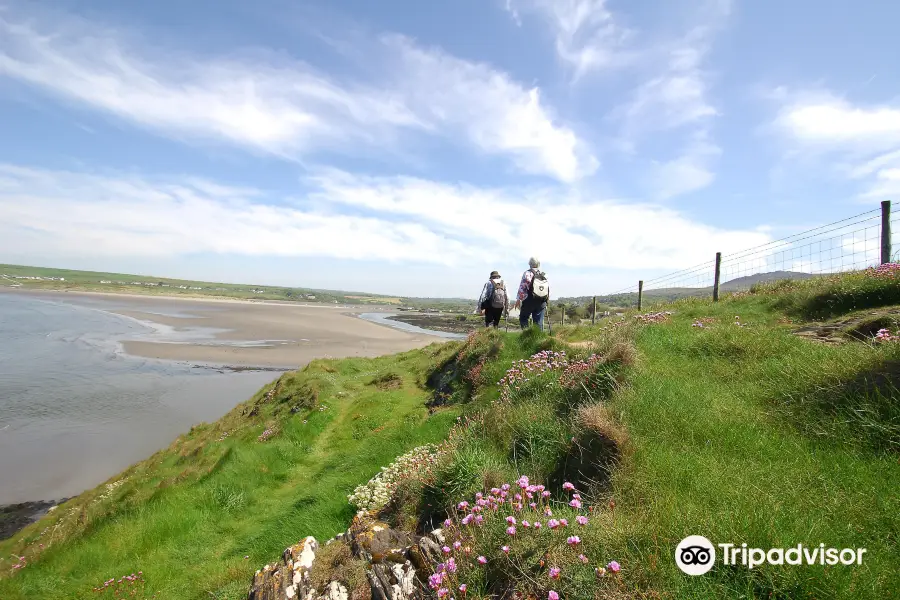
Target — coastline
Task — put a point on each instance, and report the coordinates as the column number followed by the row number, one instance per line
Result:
column 236, row 334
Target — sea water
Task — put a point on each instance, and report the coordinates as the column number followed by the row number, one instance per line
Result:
column 75, row 410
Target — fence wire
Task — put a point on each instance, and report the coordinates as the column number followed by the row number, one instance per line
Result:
column 850, row 244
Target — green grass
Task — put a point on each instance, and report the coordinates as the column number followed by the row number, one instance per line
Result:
column 188, row 516
column 743, row 434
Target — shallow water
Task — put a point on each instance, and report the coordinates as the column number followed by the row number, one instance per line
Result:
column 75, row 410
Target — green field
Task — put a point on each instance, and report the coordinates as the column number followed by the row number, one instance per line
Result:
column 740, row 430
column 40, row 278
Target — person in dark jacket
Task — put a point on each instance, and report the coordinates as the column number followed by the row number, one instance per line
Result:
column 531, row 306
column 494, row 301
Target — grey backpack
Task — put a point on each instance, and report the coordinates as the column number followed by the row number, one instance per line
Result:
column 498, row 295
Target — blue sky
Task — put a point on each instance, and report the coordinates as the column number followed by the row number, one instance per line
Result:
column 390, row 148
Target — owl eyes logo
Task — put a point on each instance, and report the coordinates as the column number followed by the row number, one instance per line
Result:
column 695, row 555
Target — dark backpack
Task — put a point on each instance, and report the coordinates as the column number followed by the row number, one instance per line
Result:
column 497, row 298
column 540, row 287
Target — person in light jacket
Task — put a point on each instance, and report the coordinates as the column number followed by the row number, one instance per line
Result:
column 529, row 305
column 493, row 302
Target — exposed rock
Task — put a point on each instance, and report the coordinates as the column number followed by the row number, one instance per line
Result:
column 398, row 563
column 289, row 579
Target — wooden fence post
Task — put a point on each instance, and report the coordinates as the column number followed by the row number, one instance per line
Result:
column 885, row 231
column 563, row 310
column 640, row 294
column 718, row 274
column 594, row 312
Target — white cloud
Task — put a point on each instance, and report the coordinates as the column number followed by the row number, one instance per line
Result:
column 587, row 34
column 689, row 172
column 835, row 121
column 69, row 215
column 285, row 107
column 867, row 137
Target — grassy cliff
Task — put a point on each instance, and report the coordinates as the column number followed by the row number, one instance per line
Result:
column 710, row 419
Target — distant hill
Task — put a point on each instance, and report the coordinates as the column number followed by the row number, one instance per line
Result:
column 733, row 285
column 745, row 283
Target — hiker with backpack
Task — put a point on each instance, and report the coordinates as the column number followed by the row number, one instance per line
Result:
column 494, row 301
column 534, row 293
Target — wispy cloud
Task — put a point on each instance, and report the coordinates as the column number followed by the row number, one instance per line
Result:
column 587, row 34
column 69, row 214
column 284, row 107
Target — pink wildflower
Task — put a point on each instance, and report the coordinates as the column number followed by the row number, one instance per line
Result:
column 505, row 549
column 511, row 530
column 511, row 520
column 551, row 595
column 573, row 540
column 583, row 558
column 581, row 519
column 552, row 523
column 564, row 522
column 457, row 544
column 463, row 588
column 554, row 573
column 614, row 567
column 568, row 486
column 446, row 549
column 482, row 560
column 575, row 503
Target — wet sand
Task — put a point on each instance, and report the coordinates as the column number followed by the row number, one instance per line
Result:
column 241, row 333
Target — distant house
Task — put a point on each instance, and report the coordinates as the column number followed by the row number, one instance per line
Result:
column 310, row 297
column 104, row 281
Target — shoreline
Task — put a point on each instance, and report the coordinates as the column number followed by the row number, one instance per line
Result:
column 15, row 517
column 242, row 335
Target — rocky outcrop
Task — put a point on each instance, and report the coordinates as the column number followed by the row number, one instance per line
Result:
column 397, row 566
column 289, row 579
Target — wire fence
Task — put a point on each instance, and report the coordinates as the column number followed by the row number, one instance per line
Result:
column 854, row 243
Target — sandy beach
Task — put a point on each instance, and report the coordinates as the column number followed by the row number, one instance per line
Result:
column 242, row 333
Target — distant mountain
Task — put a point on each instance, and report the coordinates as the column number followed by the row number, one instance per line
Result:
column 745, row 283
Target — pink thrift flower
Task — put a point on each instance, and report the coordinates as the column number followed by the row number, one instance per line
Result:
column 545, row 494
column 482, row 560
column 552, row 523
column 526, row 524
column 533, row 505
column 575, row 503
column 564, row 522
column 511, row 520
column 504, row 487
column 446, row 549
column 551, row 595
column 462, row 505
column 505, row 549
column 463, row 588
column 583, row 558
column 448, row 523
column 581, row 519
column 467, row 519
column 479, row 520
column 568, row 486
column 554, row 573
column 614, row 567
column 548, row 512
column 573, row 540
column 457, row 544
column 443, row 592
column 537, row 524
column 511, row 530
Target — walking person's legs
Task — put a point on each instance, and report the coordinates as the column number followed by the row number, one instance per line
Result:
column 495, row 315
column 524, row 313
column 538, row 317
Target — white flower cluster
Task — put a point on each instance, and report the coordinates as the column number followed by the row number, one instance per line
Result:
column 377, row 493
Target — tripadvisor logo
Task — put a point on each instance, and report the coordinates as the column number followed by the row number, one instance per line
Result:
column 695, row 555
